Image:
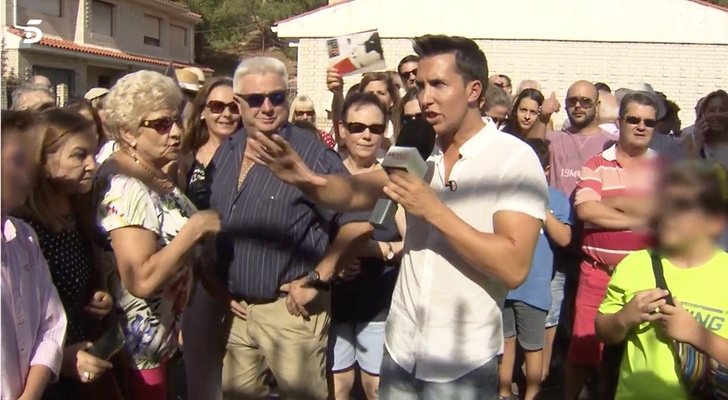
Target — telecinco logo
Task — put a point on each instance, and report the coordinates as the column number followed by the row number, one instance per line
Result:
column 31, row 32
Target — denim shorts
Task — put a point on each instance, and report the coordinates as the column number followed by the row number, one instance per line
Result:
column 557, row 298
column 360, row 343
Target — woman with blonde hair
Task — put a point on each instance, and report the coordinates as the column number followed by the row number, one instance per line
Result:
column 62, row 146
column 150, row 225
column 381, row 85
column 303, row 110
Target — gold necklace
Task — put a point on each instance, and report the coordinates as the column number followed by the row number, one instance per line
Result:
column 163, row 183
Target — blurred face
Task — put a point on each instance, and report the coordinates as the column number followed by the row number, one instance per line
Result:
column 527, row 114
column 581, row 105
column 408, row 74
column 499, row 114
column 34, row 100
column 15, row 171
column 158, row 137
column 262, row 102
column 444, row 96
column 363, row 132
column 637, row 126
column 411, row 109
column 379, row 89
column 716, row 115
column 221, row 113
column 681, row 221
column 304, row 113
column 71, row 168
column 502, row 83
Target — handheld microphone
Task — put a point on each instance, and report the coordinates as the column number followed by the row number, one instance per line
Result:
column 414, row 145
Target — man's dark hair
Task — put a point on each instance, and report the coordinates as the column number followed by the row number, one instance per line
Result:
column 405, row 60
column 640, row 98
column 361, row 99
column 13, row 122
column 507, row 78
column 541, row 148
column 602, row 87
column 470, row 60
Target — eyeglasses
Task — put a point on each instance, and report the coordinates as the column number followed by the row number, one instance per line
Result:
column 162, row 125
column 584, row 101
column 218, row 107
column 632, row 120
column 406, row 75
column 256, row 100
column 358, row 127
column 410, row 117
column 304, row 113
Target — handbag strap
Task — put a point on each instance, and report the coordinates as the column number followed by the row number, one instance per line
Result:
column 659, row 273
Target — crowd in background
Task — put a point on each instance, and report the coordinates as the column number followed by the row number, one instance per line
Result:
column 211, row 217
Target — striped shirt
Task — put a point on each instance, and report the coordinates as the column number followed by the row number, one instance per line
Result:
column 602, row 176
column 271, row 234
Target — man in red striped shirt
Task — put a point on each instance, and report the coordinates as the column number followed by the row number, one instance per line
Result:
column 612, row 197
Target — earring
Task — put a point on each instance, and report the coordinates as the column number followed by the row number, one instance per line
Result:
column 202, row 117
column 133, row 145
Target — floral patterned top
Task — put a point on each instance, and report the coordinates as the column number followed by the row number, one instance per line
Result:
column 151, row 325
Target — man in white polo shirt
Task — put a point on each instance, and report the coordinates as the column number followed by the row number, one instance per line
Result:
column 472, row 226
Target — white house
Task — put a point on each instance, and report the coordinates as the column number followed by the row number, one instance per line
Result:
column 678, row 46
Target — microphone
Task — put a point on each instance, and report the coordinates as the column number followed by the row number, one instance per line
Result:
column 414, row 145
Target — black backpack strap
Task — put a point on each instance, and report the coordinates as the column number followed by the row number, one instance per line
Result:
column 657, row 270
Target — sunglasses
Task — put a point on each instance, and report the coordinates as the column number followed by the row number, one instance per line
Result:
column 681, row 204
column 410, row 117
column 584, row 101
column 406, row 75
column 358, row 127
column 304, row 113
column 256, row 100
column 649, row 122
column 218, row 107
column 162, row 125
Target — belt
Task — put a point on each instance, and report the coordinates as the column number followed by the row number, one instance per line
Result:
column 604, row 267
column 259, row 300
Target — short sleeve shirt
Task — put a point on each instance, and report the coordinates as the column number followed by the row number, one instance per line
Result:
column 569, row 151
column 151, row 325
column 648, row 357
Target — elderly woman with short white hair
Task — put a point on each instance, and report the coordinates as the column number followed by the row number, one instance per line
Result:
column 149, row 224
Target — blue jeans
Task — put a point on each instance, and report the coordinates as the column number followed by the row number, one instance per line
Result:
column 395, row 383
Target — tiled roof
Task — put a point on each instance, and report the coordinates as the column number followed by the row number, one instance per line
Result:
column 183, row 6
column 105, row 52
column 709, row 4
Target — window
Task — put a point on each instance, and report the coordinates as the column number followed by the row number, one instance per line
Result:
column 49, row 7
column 178, row 36
column 102, row 18
column 57, row 76
column 152, row 30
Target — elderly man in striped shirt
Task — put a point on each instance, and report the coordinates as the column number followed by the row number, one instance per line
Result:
column 612, row 197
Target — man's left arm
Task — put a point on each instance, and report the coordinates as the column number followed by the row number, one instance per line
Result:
column 519, row 213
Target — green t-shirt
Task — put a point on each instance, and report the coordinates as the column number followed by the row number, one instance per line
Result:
column 648, row 368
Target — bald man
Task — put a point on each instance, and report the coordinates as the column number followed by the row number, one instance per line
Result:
column 608, row 112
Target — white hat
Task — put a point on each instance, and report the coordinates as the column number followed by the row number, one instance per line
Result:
column 95, row 93
column 647, row 89
column 187, row 80
column 197, row 71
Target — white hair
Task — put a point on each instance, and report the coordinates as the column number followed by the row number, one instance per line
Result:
column 259, row 65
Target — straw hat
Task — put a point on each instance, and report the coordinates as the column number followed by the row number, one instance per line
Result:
column 197, row 71
column 187, row 80
column 95, row 93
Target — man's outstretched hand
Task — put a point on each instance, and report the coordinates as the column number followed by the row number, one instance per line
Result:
column 277, row 154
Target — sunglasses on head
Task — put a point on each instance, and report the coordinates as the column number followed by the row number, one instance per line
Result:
column 632, row 120
column 358, row 127
column 584, row 101
column 304, row 113
column 218, row 107
column 256, row 100
column 162, row 125
column 405, row 75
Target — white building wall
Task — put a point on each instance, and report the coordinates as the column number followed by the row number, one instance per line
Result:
column 684, row 72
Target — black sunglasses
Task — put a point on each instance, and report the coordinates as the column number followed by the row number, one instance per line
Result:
column 162, row 125
column 358, row 127
column 218, row 107
column 632, row 120
column 410, row 117
column 584, row 101
column 304, row 113
column 256, row 100
column 406, row 75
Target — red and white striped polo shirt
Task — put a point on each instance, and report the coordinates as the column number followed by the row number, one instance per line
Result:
column 602, row 176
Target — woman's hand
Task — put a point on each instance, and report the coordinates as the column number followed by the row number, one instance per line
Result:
column 206, row 222
column 350, row 272
column 334, row 81
column 82, row 366
column 100, row 304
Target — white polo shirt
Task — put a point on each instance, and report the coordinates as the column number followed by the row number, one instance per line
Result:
column 445, row 317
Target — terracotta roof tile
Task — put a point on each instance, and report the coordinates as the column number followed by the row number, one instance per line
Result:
column 105, row 52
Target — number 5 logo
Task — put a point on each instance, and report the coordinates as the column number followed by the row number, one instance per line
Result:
column 32, row 33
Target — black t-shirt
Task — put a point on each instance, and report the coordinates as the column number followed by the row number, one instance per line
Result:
column 367, row 297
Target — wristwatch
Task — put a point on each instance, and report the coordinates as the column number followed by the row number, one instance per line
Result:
column 390, row 253
column 313, row 278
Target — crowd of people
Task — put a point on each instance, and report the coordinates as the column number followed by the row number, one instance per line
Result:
column 213, row 218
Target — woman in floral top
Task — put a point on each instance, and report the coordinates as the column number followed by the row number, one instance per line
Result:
column 151, row 226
